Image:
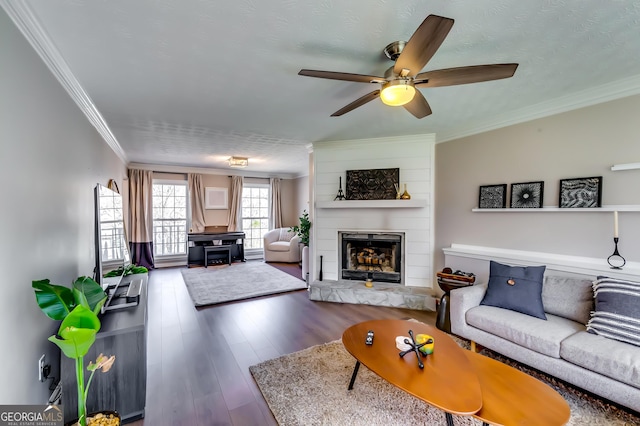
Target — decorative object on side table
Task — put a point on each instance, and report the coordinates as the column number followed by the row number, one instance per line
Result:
column 616, row 261
column 78, row 309
column 580, row 192
column 416, row 347
column 493, row 196
column 340, row 195
column 527, row 195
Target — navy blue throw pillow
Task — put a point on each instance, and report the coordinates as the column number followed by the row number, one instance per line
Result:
column 517, row 288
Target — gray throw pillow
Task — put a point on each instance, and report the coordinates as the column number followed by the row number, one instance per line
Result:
column 517, row 288
column 568, row 297
column 617, row 314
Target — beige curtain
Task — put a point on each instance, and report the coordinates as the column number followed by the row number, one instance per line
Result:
column 141, row 212
column 276, row 205
column 235, row 209
column 196, row 192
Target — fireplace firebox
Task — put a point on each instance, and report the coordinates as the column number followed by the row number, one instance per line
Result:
column 375, row 256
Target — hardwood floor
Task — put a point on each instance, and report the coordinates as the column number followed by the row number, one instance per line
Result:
column 198, row 359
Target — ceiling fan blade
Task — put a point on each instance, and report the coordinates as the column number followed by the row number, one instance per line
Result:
column 423, row 44
column 359, row 78
column 357, row 103
column 465, row 75
column 418, row 106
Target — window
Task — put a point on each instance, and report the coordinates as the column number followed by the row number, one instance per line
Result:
column 255, row 214
column 113, row 247
column 169, row 218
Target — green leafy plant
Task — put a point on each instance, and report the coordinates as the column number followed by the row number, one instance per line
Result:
column 77, row 308
column 303, row 229
column 128, row 270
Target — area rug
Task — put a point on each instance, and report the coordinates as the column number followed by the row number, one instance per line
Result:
column 224, row 283
column 310, row 388
column 292, row 269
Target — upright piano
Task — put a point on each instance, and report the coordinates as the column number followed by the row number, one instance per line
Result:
column 198, row 241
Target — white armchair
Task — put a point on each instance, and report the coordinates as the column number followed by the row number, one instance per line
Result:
column 281, row 245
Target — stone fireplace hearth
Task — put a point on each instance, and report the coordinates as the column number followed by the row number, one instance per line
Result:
column 381, row 294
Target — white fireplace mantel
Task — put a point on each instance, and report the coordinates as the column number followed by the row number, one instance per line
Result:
column 372, row 204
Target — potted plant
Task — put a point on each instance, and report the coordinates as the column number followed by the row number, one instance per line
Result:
column 126, row 270
column 302, row 231
column 77, row 308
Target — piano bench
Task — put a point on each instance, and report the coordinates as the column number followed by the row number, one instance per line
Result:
column 217, row 249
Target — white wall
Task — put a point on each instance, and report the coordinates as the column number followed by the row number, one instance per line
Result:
column 581, row 143
column 414, row 156
column 50, row 161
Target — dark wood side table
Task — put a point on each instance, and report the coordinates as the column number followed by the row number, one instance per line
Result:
column 448, row 282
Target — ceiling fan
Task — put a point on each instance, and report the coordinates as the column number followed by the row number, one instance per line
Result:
column 398, row 86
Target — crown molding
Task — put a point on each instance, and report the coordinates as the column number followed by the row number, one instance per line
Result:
column 607, row 92
column 30, row 27
column 350, row 143
column 165, row 168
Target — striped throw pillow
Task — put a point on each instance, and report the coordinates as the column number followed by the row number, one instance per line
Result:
column 617, row 312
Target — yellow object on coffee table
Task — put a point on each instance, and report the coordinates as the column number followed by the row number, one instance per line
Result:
column 428, row 348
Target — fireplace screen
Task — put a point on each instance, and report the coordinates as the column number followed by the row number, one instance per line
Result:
column 374, row 256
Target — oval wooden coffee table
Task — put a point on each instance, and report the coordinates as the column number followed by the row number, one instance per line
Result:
column 455, row 380
column 511, row 397
column 448, row 380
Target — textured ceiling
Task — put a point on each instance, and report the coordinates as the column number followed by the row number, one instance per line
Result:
column 192, row 82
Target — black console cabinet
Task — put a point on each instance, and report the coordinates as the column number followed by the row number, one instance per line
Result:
column 123, row 388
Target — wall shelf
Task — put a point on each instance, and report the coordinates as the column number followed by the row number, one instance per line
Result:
column 628, row 166
column 624, row 208
column 372, row 204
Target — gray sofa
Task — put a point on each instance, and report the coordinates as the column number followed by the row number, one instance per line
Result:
column 559, row 346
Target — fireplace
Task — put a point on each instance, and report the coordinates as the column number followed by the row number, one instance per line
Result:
column 371, row 255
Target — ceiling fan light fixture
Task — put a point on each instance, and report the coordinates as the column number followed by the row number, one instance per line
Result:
column 238, row 161
column 397, row 92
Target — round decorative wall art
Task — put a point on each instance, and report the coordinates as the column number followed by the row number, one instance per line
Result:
column 527, row 195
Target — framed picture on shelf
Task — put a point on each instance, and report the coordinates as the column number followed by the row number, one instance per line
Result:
column 581, row 192
column 216, row 198
column 527, row 195
column 493, row 196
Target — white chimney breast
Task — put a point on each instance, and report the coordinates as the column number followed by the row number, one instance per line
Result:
column 414, row 156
